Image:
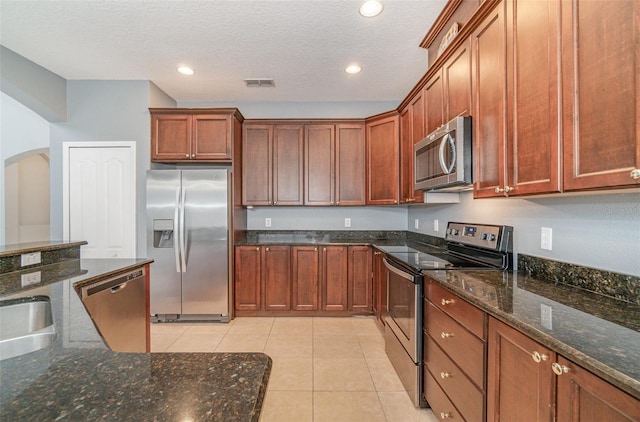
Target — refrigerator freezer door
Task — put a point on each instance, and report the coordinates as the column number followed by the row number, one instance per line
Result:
column 205, row 224
column 163, row 241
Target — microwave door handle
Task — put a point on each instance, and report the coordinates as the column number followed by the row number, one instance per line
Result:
column 447, row 168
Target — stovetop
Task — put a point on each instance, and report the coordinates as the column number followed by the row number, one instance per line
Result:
column 469, row 247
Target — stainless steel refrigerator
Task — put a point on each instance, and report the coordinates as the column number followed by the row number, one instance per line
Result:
column 188, row 219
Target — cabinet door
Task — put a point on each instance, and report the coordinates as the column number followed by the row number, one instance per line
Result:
column 533, row 70
column 457, row 79
column 518, row 387
column 170, row 137
column 333, row 267
column 601, row 64
column 276, row 278
column 583, row 396
column 212, row 136
column 247, row 275
column 350, row 165
column 412, row 130
column 382, row 161
column 288, row 164
column 434, row 111
column 319, row 154
column 359, row 278
column 489, row 88
column 257, row 158
column 305, row 278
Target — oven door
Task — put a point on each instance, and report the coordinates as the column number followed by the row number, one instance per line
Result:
column 404, row 308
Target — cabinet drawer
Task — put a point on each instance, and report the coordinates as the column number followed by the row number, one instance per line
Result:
column 467, row 397
column 462, row 311
column 440, row 404
column 465, row 349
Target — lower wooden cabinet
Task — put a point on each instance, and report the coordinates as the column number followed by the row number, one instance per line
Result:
column 303, row 278
column 528, row 382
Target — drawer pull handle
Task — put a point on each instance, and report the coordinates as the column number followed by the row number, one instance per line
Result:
column 444, row 375
column 446, row 302
column 559, row 369
column 446, row 335
column 635, row 174
column 537, row 357
column 445, row 415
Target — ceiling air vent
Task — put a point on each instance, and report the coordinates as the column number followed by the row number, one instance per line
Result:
column 259, row 83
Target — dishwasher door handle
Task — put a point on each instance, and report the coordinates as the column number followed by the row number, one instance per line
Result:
column 119, row 287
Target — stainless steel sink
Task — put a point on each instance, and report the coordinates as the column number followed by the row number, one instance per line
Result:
column 26, row 325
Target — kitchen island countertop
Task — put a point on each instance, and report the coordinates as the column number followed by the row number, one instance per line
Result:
column 79, row 378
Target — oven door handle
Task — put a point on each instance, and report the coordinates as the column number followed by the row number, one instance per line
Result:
column 399, row 272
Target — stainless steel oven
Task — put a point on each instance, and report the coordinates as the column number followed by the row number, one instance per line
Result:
column 403, row 338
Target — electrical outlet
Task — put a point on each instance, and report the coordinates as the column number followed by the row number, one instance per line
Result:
column 436, row 225
column 30, row 259
column 31, row 278
column 416, row 223
column 267, row 222
column 347, row 222
column 545, row 238
column 546, row 316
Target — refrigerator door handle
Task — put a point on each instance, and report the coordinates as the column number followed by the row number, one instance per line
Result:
column 176, row 230
column 183, row 233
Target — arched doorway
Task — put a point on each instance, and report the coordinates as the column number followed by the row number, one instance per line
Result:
column 26, row 190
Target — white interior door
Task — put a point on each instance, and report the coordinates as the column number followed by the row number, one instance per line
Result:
column 100, row 198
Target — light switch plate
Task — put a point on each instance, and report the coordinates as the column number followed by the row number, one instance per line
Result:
column 545, row 238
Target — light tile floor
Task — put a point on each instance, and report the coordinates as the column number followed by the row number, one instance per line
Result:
column 324, row 369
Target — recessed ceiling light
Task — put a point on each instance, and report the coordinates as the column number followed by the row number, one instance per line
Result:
column 352, row 69
column 185, row 70
column 371, row 8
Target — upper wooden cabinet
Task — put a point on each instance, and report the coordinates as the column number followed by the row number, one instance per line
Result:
column 456, row 75
column 334, row 164
column 600, row 92
column 179, row 135
column 273, row 164
column 434, row 101
column 412, row 130
column 382, row 159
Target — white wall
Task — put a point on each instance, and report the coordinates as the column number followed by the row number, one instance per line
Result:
column 21, row 131
column 303, row 110
column 328, row 218
column 594, row 230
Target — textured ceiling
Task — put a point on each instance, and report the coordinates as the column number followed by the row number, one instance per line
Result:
column 303, row 45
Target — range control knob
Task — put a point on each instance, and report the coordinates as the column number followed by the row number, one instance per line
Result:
column 491, row 237
column 483, row 236
column 453, row 232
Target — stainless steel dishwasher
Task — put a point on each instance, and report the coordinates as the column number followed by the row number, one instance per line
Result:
column 118, row 308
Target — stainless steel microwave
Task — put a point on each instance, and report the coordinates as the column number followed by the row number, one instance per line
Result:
column 442, row 160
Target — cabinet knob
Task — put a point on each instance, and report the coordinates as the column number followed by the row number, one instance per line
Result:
column 446, row 335
column 266, row 249
column 444, row 375
column 445, row 415
column 559, row 369
column 499, row 189
column 186, row 155
column 508, row 189
column 377, row 253
column 446, row 302
column 635, row 174
column 537, row 357
column 258, row 248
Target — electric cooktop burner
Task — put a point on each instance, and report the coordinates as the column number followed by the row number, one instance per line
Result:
column 468, row 246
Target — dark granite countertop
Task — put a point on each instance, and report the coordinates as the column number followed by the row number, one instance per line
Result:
column 46, row 245
column 599, row 333
column 79, row 378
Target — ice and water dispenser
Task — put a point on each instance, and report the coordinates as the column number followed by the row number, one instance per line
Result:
column 163, row 233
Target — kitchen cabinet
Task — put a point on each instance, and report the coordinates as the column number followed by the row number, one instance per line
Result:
column 333, row 278
column 305, row 278
column 360, row 280
column 412, row 130
column 382, row 138
column 247, row 278
column 179, row 135
column 379, row 300
column 454, row 355
column 456, row 75
column 434, row 100
column 272, row 172
column 527, row 381
column 600, row 93
column 488, row 46
column 334, row 171
column 276, row 277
